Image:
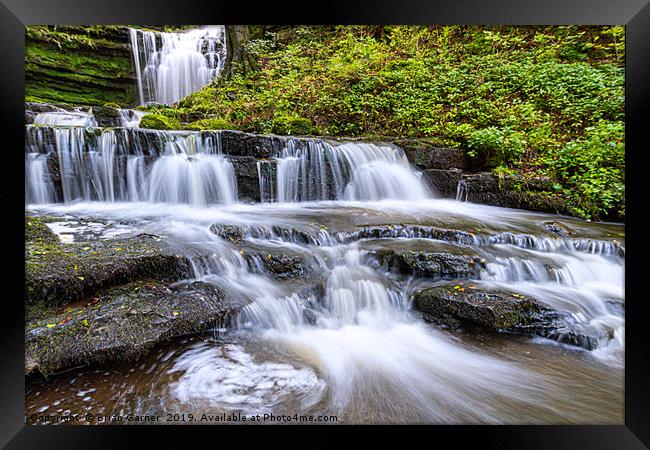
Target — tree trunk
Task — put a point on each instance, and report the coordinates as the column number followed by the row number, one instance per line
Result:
column 238, row 60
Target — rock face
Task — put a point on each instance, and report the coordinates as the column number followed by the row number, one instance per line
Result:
column 247, row 177
column 489, row 189
column 79, row 66
column 432, row 264
column 277, row 263
column 238, row 143
column 427, row 156
column 120, row 324
column 503, row 311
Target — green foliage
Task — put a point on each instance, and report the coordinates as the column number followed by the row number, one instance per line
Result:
column 159, row 122
column 212, row 123
column 592, row 169
column 497, row 146
column 287, row 125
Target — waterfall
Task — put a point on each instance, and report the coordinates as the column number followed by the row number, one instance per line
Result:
column 125, row 164
column 462, row 191
column 130, row 118
column 170, row 66
column 317, row 170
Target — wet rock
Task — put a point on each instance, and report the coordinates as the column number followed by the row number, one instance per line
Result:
column 414, row 231
column 248, row 185
column 121, row 324
column 504, row 312
column 559, row 228
column 57, row 273
column 238, row 143
column 107, row 116
column 231, row 233
column 426, row 155
column 278, row 265
column 432, row 264
column 33, row 109
column 444, row 182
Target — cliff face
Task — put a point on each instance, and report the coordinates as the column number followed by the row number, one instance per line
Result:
column 88, row 65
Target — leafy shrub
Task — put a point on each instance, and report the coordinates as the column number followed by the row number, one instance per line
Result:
column 497, row 146
column 593, row 170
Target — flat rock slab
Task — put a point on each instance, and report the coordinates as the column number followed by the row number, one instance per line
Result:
column 57, row 273
column 121, row 324
column 431, row 264
column 504, row 312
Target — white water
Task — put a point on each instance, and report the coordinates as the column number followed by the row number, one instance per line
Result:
column 65, row 118
column 130, row 118
column 350, row 171
column 343, row 339
column 118, row 165
column 170, row 66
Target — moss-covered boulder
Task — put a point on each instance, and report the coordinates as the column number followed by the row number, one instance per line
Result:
column 159, row 122
column 57, row 273
column 120, row 324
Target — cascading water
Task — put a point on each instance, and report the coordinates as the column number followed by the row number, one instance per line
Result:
column 65, row 118
column 342, row 338
column 170, row 66
column 127, row 165
column 352, row 171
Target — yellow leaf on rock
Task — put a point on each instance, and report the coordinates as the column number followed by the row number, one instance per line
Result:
column 51, row 325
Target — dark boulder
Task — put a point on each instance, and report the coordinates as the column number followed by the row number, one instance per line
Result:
column 238, row 143
column 413, row 232
column 231, row 233
column 279, row 265
column 444, row 182
column 504, row 312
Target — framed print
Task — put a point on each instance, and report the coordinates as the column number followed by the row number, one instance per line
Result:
column 402, row 214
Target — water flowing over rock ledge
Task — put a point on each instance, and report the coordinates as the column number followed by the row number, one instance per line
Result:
column 322, row 173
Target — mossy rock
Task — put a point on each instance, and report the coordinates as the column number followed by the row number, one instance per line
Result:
column 292, row 126
column 121, row 323
column 213, row 123
column 159, row 122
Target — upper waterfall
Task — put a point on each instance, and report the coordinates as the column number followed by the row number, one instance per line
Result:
column 170, row 66
column 71, row 163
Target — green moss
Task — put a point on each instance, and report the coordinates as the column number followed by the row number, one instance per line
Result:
column 159, row 122
column 78, row 65
column 287, row 125
column 212, row 123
